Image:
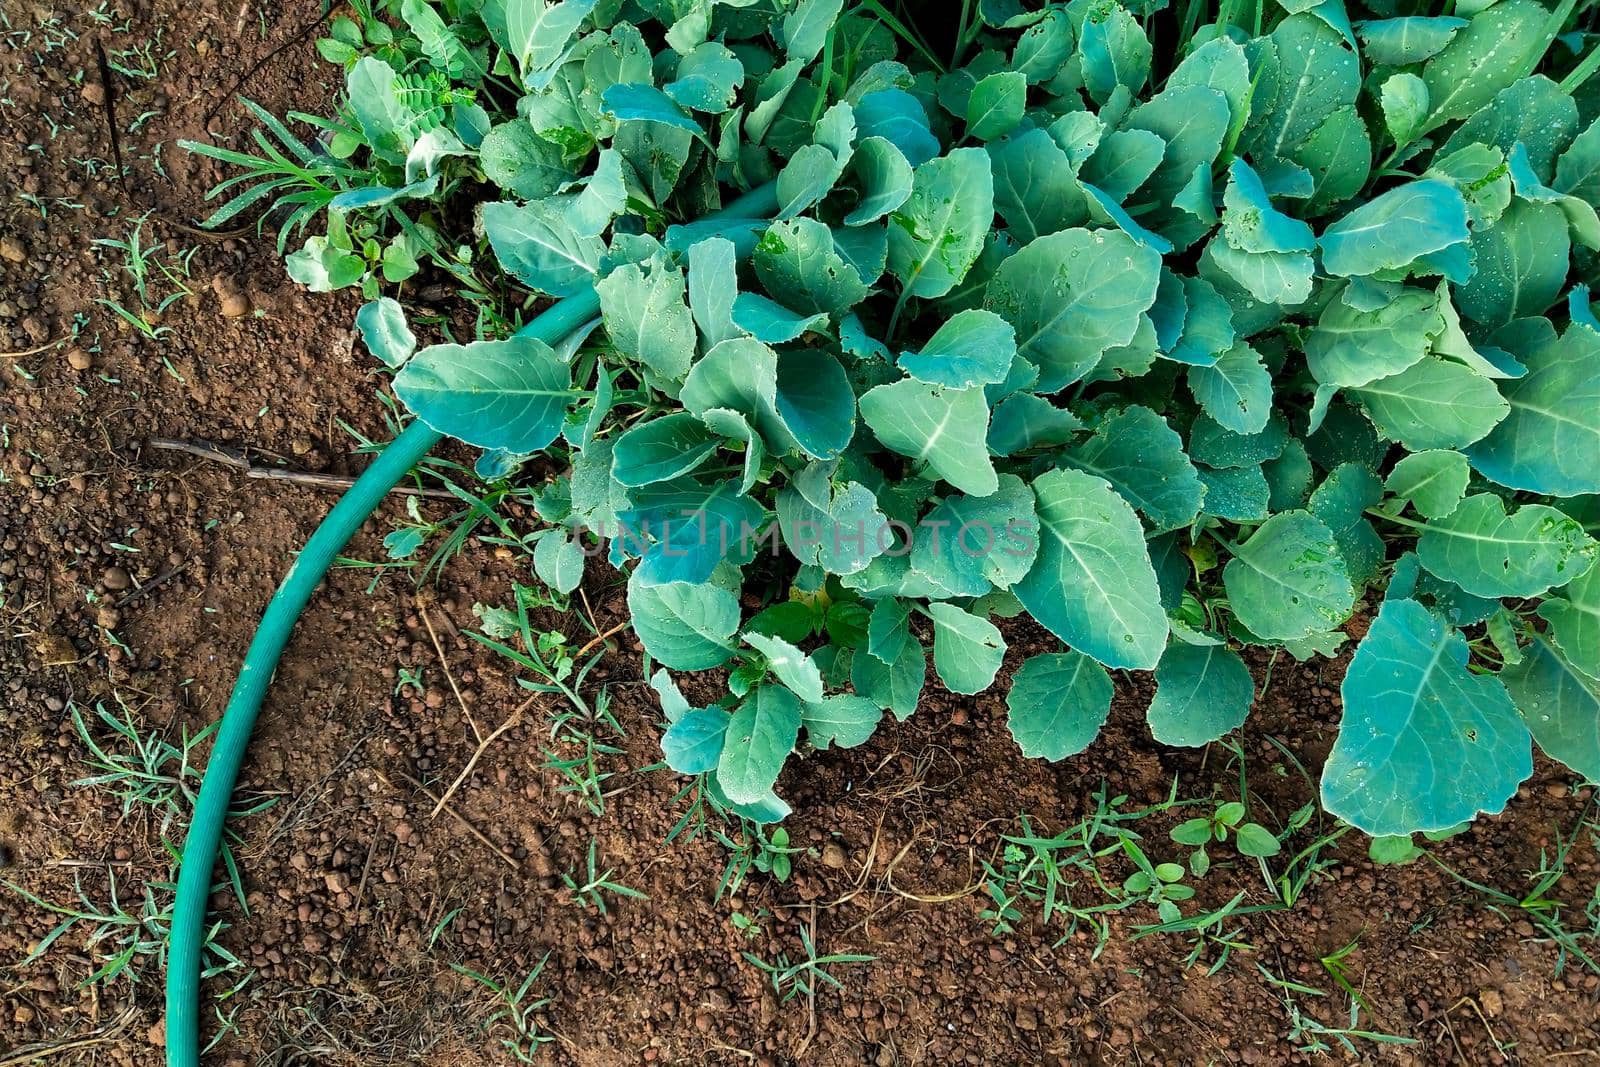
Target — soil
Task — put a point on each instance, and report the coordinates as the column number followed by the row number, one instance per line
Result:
column 133, row 577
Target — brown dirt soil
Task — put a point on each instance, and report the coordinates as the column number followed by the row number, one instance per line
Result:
column 137, row 576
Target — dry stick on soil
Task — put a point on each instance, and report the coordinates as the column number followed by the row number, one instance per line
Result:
column 458, row 817
column 34, row 1054
column 232, row 458
column 36, row 349
column 614, row 631
column 264, row 60
column 719, row 1046
column 937, row 898
column 307, row 799
column 152, row 585
column 512, row 720
column 1476, row 1010
column 422, row 609
column 109, row 95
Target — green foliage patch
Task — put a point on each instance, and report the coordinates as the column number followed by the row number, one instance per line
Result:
column 1180, row 331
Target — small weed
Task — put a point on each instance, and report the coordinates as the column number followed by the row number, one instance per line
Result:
column 1543, row 909
column 442, row 925
column 514, row 1011
column 597, row 883
column 150, row 269
column 145, row 770
column 1049, row 871
column 546, row 654
column 1308, row 1034
column 580, row 774
column 1209, row 933
column 791, row 978
column 121, row 939
column 287, row 175
column 1160, row 884
column 754, row 849
column 407, row 676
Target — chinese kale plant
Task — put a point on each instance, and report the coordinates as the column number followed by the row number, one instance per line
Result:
column 1178, row 330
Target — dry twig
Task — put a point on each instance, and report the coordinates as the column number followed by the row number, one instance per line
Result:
column 458, row 817
column 233, row 458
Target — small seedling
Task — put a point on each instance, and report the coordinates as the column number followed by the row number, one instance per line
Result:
column 751, row 926
column 754, row 849
column 146, row 265
column 1252, row 839
column 409, row 676
column 1160, row 884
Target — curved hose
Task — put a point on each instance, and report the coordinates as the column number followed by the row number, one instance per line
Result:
column 188, row 935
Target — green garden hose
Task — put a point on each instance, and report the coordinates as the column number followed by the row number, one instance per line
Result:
column 200, row 847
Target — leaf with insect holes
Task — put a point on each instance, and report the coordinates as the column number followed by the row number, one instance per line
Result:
column 759, row 737
column 968, row 545
column 1492, row 552
column 1236, row 390
column 646, row 317
column 885, row 176
column 1288, row 580
column 1434, row 481
column 1548, row 439
column 1396, row 229
column 1574, row 618
column 936, row 235
column 1434, row 403
column 1035, row 189
column 1143, row 459
column 799, row 263
column 517, row 159
column 539, row 246
column 538, row 33
column 558, row 561
column 995, row 107
column 972, row 347
column 845, row 720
